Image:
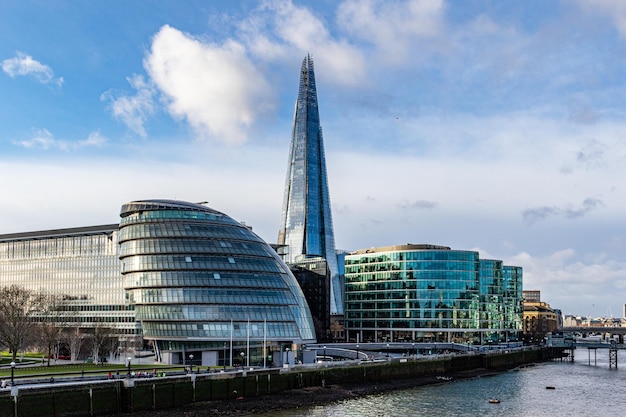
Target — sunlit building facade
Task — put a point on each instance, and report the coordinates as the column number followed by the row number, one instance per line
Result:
column 79, row 266
column 206, row 289
column 306, row 228
column 428, row 293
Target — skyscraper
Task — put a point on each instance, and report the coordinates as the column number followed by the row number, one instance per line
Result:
column 306, row 225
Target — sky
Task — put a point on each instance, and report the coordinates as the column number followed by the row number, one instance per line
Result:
column 492, row 126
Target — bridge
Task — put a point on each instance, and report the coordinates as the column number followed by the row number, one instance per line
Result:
column 586, row 330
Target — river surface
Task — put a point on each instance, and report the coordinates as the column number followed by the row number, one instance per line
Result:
column 581, row 388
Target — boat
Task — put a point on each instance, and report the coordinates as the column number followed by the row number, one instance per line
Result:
column 494, row 401
column 550, row 387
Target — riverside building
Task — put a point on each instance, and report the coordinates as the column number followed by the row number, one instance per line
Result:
column 429, row 293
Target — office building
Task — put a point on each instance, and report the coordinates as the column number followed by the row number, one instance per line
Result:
column 306, row 227
column 206, row 289
column 429, row 293
column 81, row 268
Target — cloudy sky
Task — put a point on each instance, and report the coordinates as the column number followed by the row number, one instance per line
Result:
column 484, row 125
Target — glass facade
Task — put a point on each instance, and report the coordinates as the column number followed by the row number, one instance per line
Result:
column 430, row 293
column 198, row 279
column 306, row 226
column 80, row 266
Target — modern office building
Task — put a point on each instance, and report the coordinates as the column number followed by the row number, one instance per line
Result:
column 429, row 293
column 80, row 266
column 306, row 228
column 206, row 289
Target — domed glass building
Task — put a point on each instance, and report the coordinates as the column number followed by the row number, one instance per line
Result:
column 206, row 289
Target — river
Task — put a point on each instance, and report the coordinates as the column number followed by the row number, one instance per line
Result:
column 580, row 389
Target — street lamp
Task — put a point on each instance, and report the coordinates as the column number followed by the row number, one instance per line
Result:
column 413, row 349
column 12, row 373
column 224, row 355
column 324, row 353
column 387, row 349
column 128, row 362
column 357, row 351
column 242, row 355
column 191, row 362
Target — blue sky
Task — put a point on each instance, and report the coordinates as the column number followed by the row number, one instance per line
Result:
column 484, row 125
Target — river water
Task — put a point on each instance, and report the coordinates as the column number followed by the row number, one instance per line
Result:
column 580, row 389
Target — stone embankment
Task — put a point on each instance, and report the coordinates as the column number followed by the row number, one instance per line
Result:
column 249, row 392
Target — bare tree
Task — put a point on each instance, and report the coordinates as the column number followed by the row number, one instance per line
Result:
column 17, row 306
column 99, row 340
column 75, row 339
column 112, row 346
column 51, row 320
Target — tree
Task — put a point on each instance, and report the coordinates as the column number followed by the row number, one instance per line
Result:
column 75, row 339
column 17, row 307
column 99, row 340
column 51, row 321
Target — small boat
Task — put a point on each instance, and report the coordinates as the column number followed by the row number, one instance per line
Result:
column 550, row 387
column 494, row 401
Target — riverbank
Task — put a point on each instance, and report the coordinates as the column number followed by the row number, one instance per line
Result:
column 304, row 397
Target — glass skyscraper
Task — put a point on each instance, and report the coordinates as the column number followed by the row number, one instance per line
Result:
column 306, row 226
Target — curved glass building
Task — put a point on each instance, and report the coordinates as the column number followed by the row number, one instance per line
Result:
column 206, row 289
column 428, row 293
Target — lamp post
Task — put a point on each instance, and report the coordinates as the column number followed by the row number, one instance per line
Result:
column 357, row 351
column 387, row 350
column 128, row 362
column 12, row 373
column 324, row 353
column 191, row 362
column 413, row 349
column 224, row 355
column 242, row 355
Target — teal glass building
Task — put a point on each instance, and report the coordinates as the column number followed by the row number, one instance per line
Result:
column 428, row 293
column 206, row 289
column 306, row 227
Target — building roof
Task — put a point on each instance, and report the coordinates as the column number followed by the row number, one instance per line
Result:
column 74, row 231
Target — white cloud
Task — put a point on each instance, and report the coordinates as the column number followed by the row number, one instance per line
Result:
column 23, row 64
column 392, row 27
column 574, row 284
column 614, row 10
column 214, row 87
column 133, row 111
column 44, row 140
column 281, row 29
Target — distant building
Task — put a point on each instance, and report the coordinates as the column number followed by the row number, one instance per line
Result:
column 429, row 293
column 532, row 296
column 539, row 320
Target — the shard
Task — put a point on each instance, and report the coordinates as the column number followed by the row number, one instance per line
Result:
column 306, row 223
